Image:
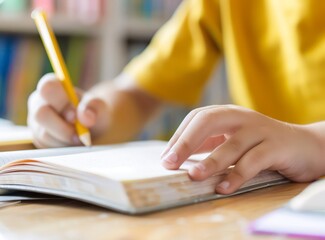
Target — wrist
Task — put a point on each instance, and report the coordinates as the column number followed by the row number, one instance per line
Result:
column 317, row 130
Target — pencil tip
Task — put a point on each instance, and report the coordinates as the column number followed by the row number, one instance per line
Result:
column 85, row 139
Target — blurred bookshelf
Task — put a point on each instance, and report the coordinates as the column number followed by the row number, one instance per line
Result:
column 21, row 23
column 22, row 56
column 97, row 38
column 130, row 25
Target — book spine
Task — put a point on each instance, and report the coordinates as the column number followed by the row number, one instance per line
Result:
column 16, row 83
column 24, row 77
column 86, row 11
column 7, row 52
column 89, row 75
column 151, row 9
column 47, row 5
column 3, row 47
column 75, row 56
column 14, row 6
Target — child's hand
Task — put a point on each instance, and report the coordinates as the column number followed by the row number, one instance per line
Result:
column 51, row 115
column 250, row 141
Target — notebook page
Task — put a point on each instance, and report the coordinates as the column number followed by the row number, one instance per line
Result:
column 123, row 163
column 6, row 157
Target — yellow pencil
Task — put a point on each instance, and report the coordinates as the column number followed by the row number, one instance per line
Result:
column 60, row 69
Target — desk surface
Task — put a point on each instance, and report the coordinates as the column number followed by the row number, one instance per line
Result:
column 218, row 219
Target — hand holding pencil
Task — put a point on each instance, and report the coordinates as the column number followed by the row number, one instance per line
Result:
column 114, row 111
column 56, row 59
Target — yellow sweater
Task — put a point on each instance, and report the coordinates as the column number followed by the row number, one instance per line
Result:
column 274, row 52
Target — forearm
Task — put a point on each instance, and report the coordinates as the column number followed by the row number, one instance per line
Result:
column 129, row 109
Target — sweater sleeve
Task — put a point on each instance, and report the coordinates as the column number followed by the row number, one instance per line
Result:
column 182, row 55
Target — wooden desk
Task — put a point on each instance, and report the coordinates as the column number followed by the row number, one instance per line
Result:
column 218, row 219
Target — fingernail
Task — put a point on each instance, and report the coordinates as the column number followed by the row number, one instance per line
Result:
column 224, row 185
column 171, row 157
column 75, row 139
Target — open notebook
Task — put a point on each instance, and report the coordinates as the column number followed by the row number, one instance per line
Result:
column 124, row 177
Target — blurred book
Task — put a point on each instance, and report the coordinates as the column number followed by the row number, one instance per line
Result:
column 25, row 72
column 16, row 83
column 13, row 6
column 90, row 65
column 151, row 9
column 286, row 222
column 75, row 56
column 23, row 62
column 14, row 137
column 47, row 5
column 302, row 217
column 85, row 11
column 8, row 46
